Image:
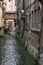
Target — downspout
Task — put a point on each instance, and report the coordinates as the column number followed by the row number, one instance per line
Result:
column 24, row 19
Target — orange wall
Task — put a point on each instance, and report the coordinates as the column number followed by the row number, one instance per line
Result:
column 11, row 16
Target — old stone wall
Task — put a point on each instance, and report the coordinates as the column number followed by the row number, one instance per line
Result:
column 32, row 25
column 32, row 35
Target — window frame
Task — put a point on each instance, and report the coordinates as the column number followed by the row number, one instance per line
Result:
column 36, row 27
column 10, row 0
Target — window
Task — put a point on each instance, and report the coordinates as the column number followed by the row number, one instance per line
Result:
column 39, row 14
column 39, row 17
column 27, row 24
column 33, row 21
column 15, row 2
column 10, row 0
column 0, row 4
column 35, row 24
column 29, row 20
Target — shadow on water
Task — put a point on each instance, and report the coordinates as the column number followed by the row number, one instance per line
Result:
column 25, row 57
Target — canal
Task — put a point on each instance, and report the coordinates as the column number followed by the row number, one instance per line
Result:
column 13, row 53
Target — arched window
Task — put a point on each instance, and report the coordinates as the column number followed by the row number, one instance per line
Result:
column 39, row 17
column 35, row 25
column 32, row 19
column 38, row 14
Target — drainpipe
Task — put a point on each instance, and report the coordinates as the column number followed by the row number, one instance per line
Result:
column 24, row 19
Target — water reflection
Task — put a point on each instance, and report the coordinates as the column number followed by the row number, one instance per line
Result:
column 13, row 53
column 9, row 50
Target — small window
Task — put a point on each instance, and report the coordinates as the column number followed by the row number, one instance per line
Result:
column 0, row 4
column 10, row 0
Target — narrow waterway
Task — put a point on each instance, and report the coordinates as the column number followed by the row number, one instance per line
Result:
column 11, row 53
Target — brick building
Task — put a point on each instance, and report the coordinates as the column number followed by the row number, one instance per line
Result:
column 9, row 9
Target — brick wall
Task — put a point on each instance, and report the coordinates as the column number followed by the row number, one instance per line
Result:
column 9, row 16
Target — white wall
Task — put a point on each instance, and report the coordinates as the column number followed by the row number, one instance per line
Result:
column 10, row 6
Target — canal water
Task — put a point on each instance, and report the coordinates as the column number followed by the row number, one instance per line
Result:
column 12, row 53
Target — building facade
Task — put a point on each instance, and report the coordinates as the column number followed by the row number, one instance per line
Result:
column 19, row 21
column 9, row 9
column 33, row 31
column 1, row 20
column 33, row 25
